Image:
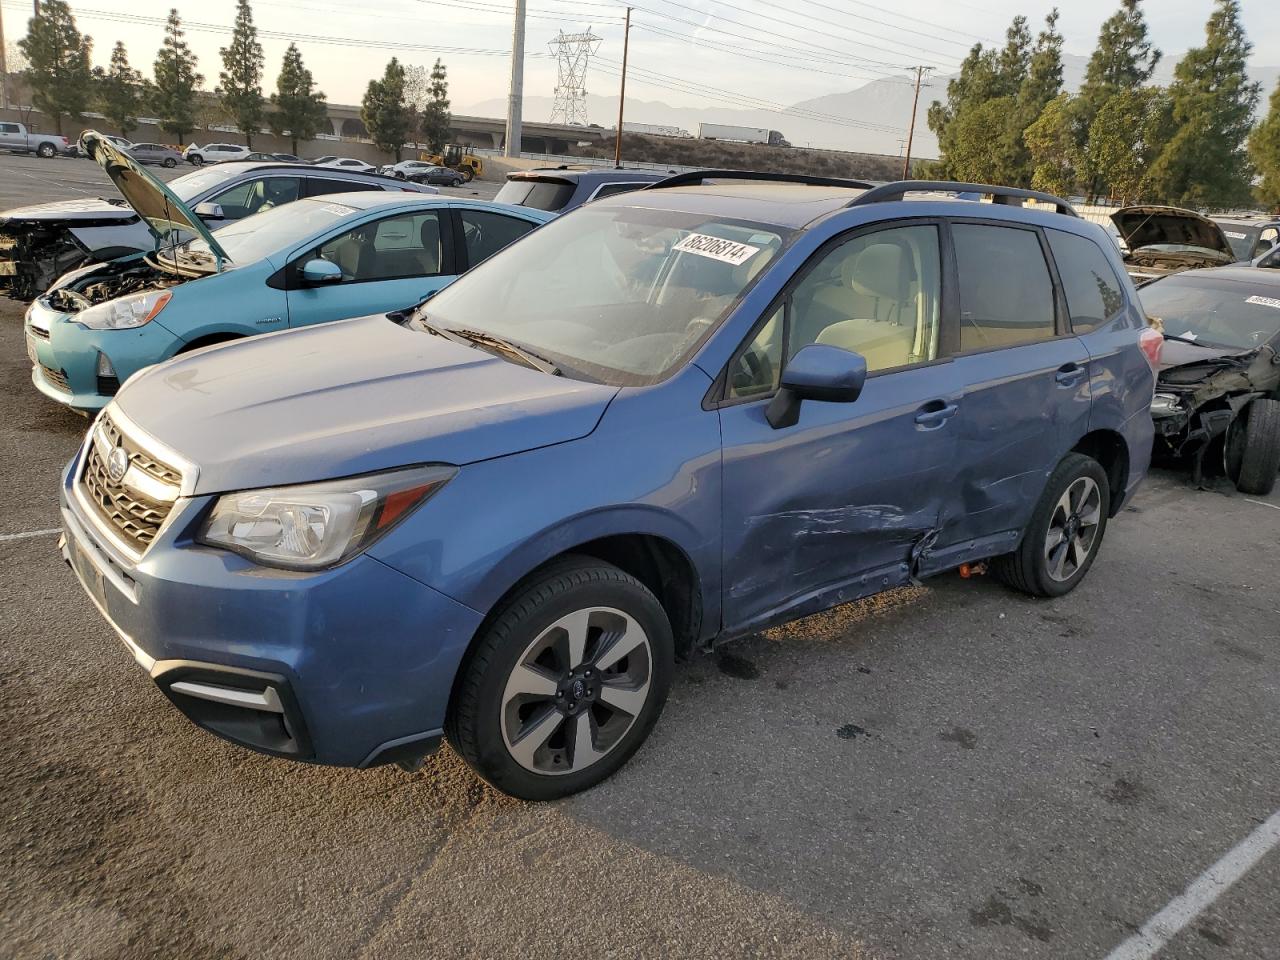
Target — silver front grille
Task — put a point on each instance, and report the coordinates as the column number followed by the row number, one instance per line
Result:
column 132, row 504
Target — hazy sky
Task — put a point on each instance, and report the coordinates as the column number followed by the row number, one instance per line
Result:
column 800, row 48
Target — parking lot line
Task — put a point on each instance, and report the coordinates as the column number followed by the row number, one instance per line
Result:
column 1201, row 894
column 30, row 533
column 1263, row 503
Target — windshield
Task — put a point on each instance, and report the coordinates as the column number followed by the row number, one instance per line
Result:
column 271, row 231
column 190, row 185
column 618, row 294
column 549, row 195
column 1214, row 312
column 1242, row 239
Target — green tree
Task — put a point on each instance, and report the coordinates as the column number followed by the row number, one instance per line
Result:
column 434, row 116
column 1123, row 59
column 1053, row 144
column 1206, row 161
column 58, row 69
column 1125, row 138
column 176, row 81
column 299, row 108
column 1264, row 150
column 240, row 83
column 121, row 90
column 386, row 115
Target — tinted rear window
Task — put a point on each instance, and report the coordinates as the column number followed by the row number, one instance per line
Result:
column 1093, row 291
column 549, row 195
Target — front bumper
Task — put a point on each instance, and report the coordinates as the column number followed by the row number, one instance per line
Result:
column 351, row 666
column 64, row 355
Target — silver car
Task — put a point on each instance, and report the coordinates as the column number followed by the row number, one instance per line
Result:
column 154, row 153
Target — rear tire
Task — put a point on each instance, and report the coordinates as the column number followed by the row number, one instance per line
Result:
column 564, row 683
column 46, row 151
column 169, row 163
column 1253, row 448
column 196, row 159
column 1062, row 538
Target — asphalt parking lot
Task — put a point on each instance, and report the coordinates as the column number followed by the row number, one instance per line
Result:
column 952, row 771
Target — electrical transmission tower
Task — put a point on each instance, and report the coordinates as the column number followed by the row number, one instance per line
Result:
column 573, row 52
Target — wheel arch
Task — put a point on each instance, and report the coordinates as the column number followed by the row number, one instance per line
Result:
column 208, row 340
column 1111, row 450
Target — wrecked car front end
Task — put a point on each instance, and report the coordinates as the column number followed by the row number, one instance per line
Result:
column 39, row 244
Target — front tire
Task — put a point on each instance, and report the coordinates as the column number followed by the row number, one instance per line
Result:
column 468, row 175
column 196, row 159
column 565, row 682
column 1253, row 448
column 1061, row 540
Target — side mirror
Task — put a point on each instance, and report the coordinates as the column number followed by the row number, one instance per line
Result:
column 209, row 211
column 817, row 372
column 319, row 271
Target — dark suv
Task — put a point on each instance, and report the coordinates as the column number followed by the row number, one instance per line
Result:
column 561, row 189
column 666, row 420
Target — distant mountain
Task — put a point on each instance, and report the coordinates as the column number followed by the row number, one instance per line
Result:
column 881, row 103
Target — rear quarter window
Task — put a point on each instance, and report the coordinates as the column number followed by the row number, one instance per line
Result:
column 1093, row 291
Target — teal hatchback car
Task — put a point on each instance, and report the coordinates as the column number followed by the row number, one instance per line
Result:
column 293, row 265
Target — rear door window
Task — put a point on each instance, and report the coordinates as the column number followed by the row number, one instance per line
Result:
column 549, row 195
column 1093, row 290
column 319, row 186
column 1006, row 292
column 486, row 233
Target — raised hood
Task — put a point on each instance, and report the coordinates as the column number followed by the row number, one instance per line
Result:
column 347, row 398
column 1147, row 225
column 169, row 219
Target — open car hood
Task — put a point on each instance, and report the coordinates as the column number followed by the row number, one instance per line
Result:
column 1146, row 226
column 169, row 219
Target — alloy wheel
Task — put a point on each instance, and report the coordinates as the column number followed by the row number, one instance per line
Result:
column 1073, row 529
column 576, row 690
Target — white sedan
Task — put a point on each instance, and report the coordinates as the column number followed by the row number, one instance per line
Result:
column 350, row 163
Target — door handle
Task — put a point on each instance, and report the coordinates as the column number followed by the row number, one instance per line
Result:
column 935, row 413
column 1069, row 374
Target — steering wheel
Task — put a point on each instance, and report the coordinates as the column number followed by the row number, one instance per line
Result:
column 759, row 368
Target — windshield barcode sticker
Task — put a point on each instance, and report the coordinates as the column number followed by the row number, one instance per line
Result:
column 1235, row 236
column 1265, row 301
column 717, row 248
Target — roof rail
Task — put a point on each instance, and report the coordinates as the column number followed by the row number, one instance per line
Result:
column 697, row 177
column 1003, row 195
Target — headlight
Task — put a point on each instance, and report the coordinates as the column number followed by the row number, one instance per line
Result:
column 318, row 525
column 1165, row 405
column 124, row 313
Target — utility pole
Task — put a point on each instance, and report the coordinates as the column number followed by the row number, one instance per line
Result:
column 622, row 93
column 911, row 131
column 515, row 99
column 4, row 70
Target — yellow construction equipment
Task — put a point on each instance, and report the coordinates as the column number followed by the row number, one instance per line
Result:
column 456, row 157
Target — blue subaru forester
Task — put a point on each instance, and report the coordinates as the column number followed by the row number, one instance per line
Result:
column 668, row 419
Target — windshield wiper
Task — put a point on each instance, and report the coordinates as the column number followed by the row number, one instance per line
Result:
column 1172, row 336
column 523, row 354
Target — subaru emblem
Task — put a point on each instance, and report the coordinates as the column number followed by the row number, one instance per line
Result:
column 117, row 464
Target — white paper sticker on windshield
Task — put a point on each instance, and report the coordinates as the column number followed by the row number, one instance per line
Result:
column 1265, row 301
column 1236, row 236
column 717, row 248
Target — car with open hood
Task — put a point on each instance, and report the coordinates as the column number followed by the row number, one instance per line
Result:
column 1160, row 240
column 668, row 419
column 300, row 263
column 1217, row 401
column 41, row 242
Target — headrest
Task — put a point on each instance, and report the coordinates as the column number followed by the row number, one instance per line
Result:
column 877, row 271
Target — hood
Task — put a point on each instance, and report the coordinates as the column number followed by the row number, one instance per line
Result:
column 1147, row 225
column 169, row 219
column 347, row 398
column 84, row 211
column 1175, row 353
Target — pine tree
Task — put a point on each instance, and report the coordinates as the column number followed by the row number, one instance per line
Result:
column 385, row 114
column 1264, row 150
column 434, row 114
column 1206, row 161
column 1125, row 138
column 240, row 83
column 120, row 91
column 1124, row 59
column 176, row 81
column 1052, row 142
column 58, row 69
column 300, row 110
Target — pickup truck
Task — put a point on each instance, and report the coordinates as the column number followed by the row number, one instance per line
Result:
column 15, row 138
